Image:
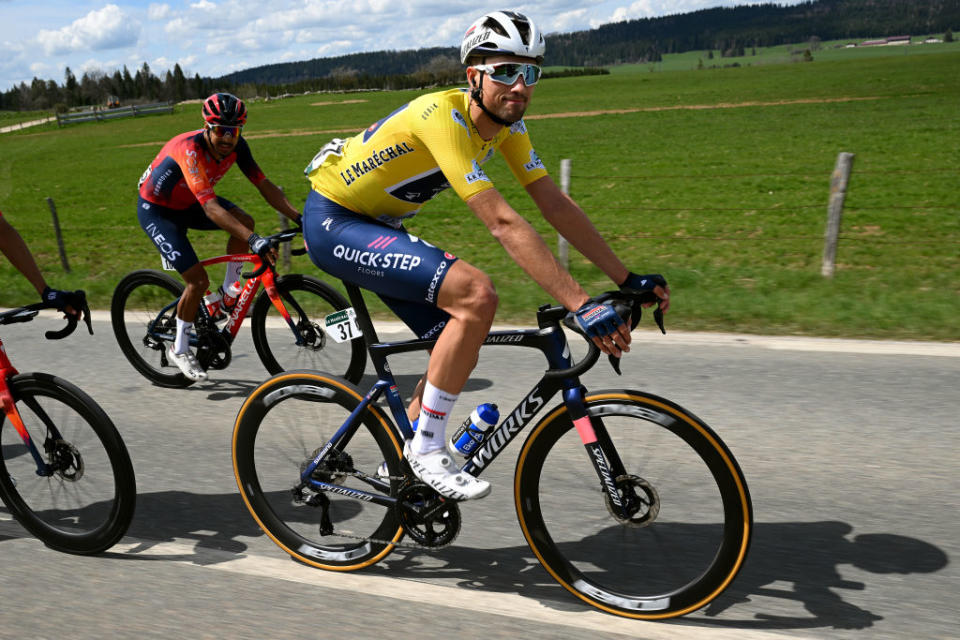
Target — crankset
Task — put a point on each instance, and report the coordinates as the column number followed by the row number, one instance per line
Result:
column 426, row 516
column 213, row 349
column 640, row 500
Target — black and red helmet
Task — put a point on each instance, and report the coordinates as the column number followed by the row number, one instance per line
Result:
column 224, row 108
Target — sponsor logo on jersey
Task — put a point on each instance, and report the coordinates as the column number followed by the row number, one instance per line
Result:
column 377, row 159
column 476, row 175
column 535, row 162
column 460, row 120
column 166, row 249
column 435, row 282
column 429, row 111
column 401, row 261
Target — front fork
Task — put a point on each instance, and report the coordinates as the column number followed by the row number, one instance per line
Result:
column 12, row 414
column 600, row 449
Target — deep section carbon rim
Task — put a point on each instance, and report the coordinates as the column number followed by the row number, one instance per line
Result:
column 85, row 504
column 281, row 427
column 687, row 534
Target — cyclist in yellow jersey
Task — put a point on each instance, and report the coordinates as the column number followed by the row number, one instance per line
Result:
column 365, row 187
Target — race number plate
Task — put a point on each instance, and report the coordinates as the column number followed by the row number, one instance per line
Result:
column 342, row 326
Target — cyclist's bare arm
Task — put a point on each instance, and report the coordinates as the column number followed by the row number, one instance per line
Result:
column 18, row 253
column 525, row 246
column 572, row 223
column 225, row 220
column 275, row 198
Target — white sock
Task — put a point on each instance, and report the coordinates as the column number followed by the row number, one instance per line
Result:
column 232, row 275
column 182, row 343
column 434, row 412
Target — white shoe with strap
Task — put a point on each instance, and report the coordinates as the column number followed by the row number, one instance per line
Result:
column 188, row 365
column 437, row 469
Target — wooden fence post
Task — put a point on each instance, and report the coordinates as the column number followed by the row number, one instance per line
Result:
column 563, row 247
column 56, row 229
column 838, row 192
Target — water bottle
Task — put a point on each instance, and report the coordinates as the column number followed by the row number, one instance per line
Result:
column 474, row 429
column 212, row 302
column 230, row 295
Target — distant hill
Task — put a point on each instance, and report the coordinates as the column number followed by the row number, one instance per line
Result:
column 727, row 30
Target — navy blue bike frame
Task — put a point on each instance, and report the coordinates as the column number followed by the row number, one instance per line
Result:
column 561, row 376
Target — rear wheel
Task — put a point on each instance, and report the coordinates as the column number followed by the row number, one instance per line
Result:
column 144, row 317
column 682, row 527
column 84, row 501
column 308, row 301
column 281, row 427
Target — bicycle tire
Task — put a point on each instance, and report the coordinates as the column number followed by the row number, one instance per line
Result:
column 663, row 564
column 281, row 426
column 308, row 300
column 137, row 301
column 86, row 506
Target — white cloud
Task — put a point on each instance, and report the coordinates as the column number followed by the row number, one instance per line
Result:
column 107, row 28
column 158, row 11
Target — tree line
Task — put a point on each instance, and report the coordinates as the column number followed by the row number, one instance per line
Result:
column 730, row 31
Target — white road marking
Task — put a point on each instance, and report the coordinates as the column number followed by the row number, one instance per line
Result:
column 503, row 604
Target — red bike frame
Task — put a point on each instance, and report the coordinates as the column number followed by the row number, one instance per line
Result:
column 7, row 370
column 249, row 291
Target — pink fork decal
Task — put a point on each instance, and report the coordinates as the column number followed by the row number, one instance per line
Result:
column 585, row 429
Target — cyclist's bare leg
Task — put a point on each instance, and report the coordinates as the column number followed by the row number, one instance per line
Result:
column 470, row 298
column 196, row 284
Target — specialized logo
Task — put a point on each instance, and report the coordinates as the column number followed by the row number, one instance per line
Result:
column 166, row 249
column 601, row 462
column 503, row 339
column 535, row 162
column 327, row 223
column 460, row 120
column 402, row 261
column 476, row 175
column 377, row 159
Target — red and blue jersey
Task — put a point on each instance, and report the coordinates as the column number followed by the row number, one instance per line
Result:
column 184, row 172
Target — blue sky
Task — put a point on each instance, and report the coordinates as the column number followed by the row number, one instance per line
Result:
column 214, row 37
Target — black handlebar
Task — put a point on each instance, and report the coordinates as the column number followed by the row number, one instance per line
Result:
column 628, row 303
column 275, row 240
column 77, row 300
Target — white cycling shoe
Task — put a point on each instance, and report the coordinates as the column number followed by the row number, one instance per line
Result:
column 187, row 363
column 438, row 470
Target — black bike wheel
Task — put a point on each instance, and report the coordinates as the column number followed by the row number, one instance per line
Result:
column 86, row 503
column 683, row 546
column 281, row 426
column 142, row 332
column 308, row 301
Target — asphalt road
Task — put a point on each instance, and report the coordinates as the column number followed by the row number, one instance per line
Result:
column 847, row 447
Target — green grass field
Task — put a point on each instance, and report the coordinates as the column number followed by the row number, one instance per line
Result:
column 718, row 178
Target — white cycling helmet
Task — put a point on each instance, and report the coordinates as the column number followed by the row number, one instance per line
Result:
column 503, row 33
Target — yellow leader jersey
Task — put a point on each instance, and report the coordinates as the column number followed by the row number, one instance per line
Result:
column 400, row 162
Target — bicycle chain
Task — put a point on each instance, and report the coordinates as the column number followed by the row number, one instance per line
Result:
column 399, row 543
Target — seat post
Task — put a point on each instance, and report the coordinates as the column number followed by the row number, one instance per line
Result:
column 363, row 315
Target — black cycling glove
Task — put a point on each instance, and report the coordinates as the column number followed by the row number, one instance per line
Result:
column 259, row 245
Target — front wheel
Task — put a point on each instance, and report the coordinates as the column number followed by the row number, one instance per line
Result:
column 307, row 301
column 678, row 529
column 84, row 501
column 144, row 317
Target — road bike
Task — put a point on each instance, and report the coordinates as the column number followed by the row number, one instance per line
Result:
column 65, row 474
column 629, row 501
column 287, row 322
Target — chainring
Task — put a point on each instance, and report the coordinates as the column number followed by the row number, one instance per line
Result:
column 426, row 516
